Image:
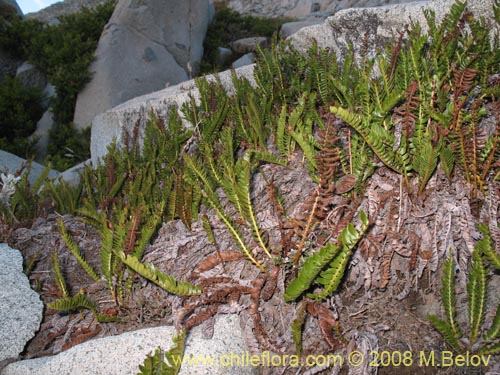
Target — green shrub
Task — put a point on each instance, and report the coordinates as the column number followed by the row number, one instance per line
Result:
column 63, row 52
column 229, row 26
column 20, row 109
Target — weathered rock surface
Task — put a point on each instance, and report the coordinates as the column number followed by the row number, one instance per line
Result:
column 301, row 9
column 21, row 307
column 117, row 122
column 379, row 23
column 290, row 28
column 244, row 60
column 246, row 45
column 11, row 163
column 122, row 355
column 147, row 45
column 42, row 133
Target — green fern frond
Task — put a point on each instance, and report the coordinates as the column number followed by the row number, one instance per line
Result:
column 446, row 331
column 243, row 193
column 165, row 363
column 58, row 275
column 425, row 160
column 315, row 263
column 310, row 270
column 161, row 279
column 447, row 160
column 493, row 349
column 484, row 246
column 71, row 303
column 448, row 297
column 331, row 277
column 380, row 140
column 297, row 326
column 494, row 331
column 282, row 136
column 476, row 290
column 73, row 248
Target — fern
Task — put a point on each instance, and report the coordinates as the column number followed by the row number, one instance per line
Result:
column 165, row 363
column 476, row 290
column 485, row 246
column 297, row 325
column 331, row 277
column 73, row 248
column 58, row 275
column 77, row 302
column 328, row 254
column 494, row 331
column 446, row 331
column 161, row 279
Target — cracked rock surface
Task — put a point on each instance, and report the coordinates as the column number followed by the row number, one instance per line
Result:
column 20, row 307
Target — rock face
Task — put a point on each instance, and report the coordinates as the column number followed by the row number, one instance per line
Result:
column 379, row 23
column 147, row 45
column 118, row 355
column 13, row 4
column 21, row 307
column 11, row 163
column 117, row 122
column 301, row 8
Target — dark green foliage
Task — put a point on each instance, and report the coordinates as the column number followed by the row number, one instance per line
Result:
column 335, row 256
column 20, row 110
column 68, row 146
column 165, row 363
column 63, row 52
column 229, row 26
column 477, row 287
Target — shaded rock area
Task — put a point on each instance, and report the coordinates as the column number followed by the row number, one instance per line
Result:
column 21, row 308
column 145, row 46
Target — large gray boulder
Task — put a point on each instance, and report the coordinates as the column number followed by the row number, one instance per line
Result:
column 121, row 120
column 11, row 163
column 20, row 308
column 147, row 45
column 122, row 355
column 380, row 24
column 13, row 4
column 301, row 9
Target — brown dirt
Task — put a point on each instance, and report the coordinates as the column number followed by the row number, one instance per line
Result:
column 376, row 313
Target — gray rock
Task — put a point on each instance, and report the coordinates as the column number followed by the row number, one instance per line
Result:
column 223, row 56
column 380, row 24
column 42, row 133
column 11, row 163
column 21, row 308
column 121, row 120
column 247, row 45
column 301, row 9
column 246, row 59
column 72, row 176
column 147, row 45
column 290, row 28
column 122, row 355
column 31, row 77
